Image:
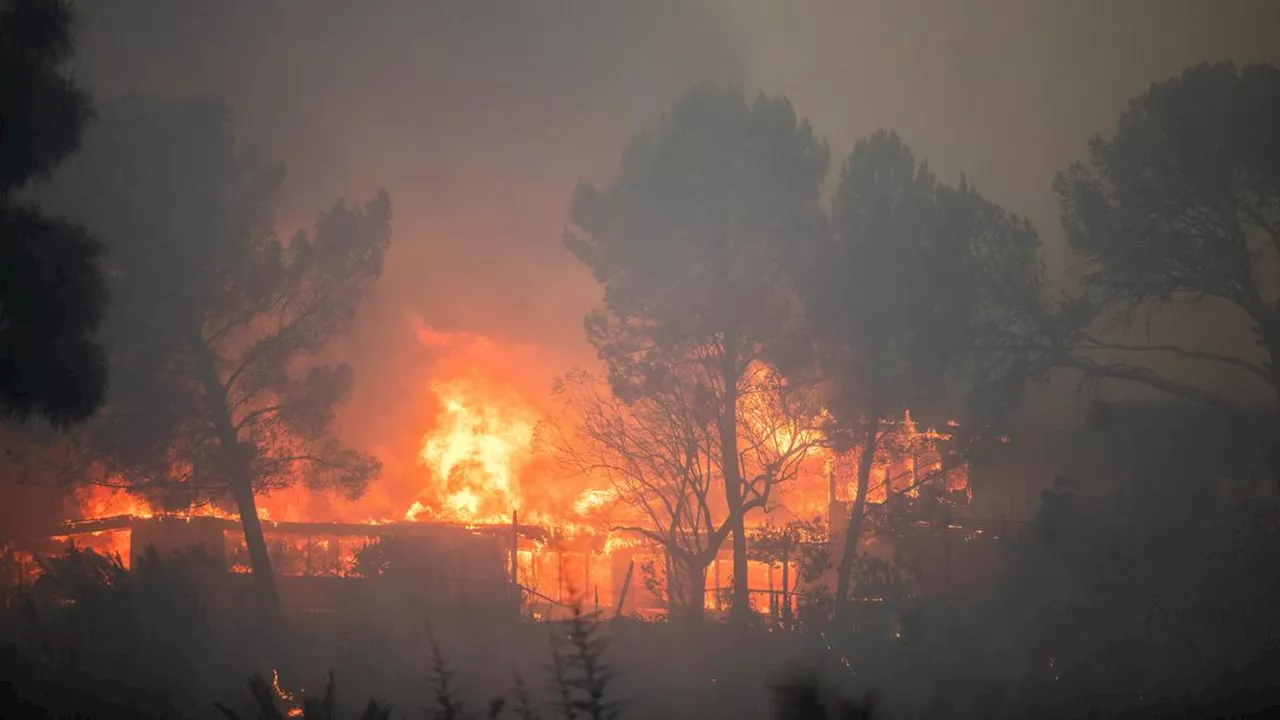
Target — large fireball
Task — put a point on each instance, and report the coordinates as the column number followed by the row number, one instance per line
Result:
column 478, row 444
column 476, row 458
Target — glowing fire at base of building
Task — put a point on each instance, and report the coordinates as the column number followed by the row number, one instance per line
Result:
column 476, row 466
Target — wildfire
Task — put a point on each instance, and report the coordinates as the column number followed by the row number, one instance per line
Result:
column 908, row 456
column 111, row 500
column 474, row 460
column 293, row 709
column 98, row 501
column 470, row 453
column 475, row 452
column 591, row 499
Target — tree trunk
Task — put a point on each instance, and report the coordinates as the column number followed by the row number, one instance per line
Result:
column 866, row 457
column 673, row 587
column 740, row 608
column 264, row 579
column 697, row 590
column 786, row 580
column 235, row 464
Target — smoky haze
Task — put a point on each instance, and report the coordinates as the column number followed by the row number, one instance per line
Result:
column 479, row 117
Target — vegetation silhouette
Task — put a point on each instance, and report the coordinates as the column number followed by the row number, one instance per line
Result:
column 1180, row 208
column 52, row 287
column 920, row 300
column 717, row 258
column 216, row 322
column 685, row 240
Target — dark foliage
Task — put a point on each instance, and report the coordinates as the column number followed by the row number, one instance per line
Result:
column 266, row 703
column 107, row 634
column 444, row 692
column 1181, row 205
column 798, row 694
column 1167, row 587
column 685, row 241
column 52, row 288
column 581, row 672
column 923, row 299
column 524, row 706
column 264, row 700
column 217, row 322
column 15, row 708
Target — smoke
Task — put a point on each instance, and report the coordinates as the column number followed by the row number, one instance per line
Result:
column 479, row 116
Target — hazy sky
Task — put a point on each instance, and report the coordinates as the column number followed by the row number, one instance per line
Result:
column 478, row 116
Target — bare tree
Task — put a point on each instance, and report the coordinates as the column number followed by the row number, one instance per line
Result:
column 662, row 456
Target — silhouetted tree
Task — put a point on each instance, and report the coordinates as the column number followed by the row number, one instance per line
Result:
column 217, row 322
column 52, row 290
column 925, row 299
column 1182, row 205
column 803, row 543
column 685, row 241
column 659, row 454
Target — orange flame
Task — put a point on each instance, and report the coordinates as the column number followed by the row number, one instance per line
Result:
column 293, row 709
column 475, row 452
column 466, row 451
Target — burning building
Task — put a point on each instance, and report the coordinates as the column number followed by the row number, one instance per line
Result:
column 483, row 516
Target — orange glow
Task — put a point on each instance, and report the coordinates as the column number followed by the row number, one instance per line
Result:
column 474, row 462
column 477, row 459
column 474, row 458
column 907, row 458
column 110, row 543
column 99, row 501
column 112, row 500
column 474, row 453
column 293, row 709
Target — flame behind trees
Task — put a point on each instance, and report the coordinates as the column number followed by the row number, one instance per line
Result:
column 662, row 457
column 925, row 300
column 685, row 240
column 217, row 393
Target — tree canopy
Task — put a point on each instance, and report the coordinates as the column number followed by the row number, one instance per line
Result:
column 1182, row 205
column 217, row 324
column 923, row 300
column 686, row 240
column 52, row 289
